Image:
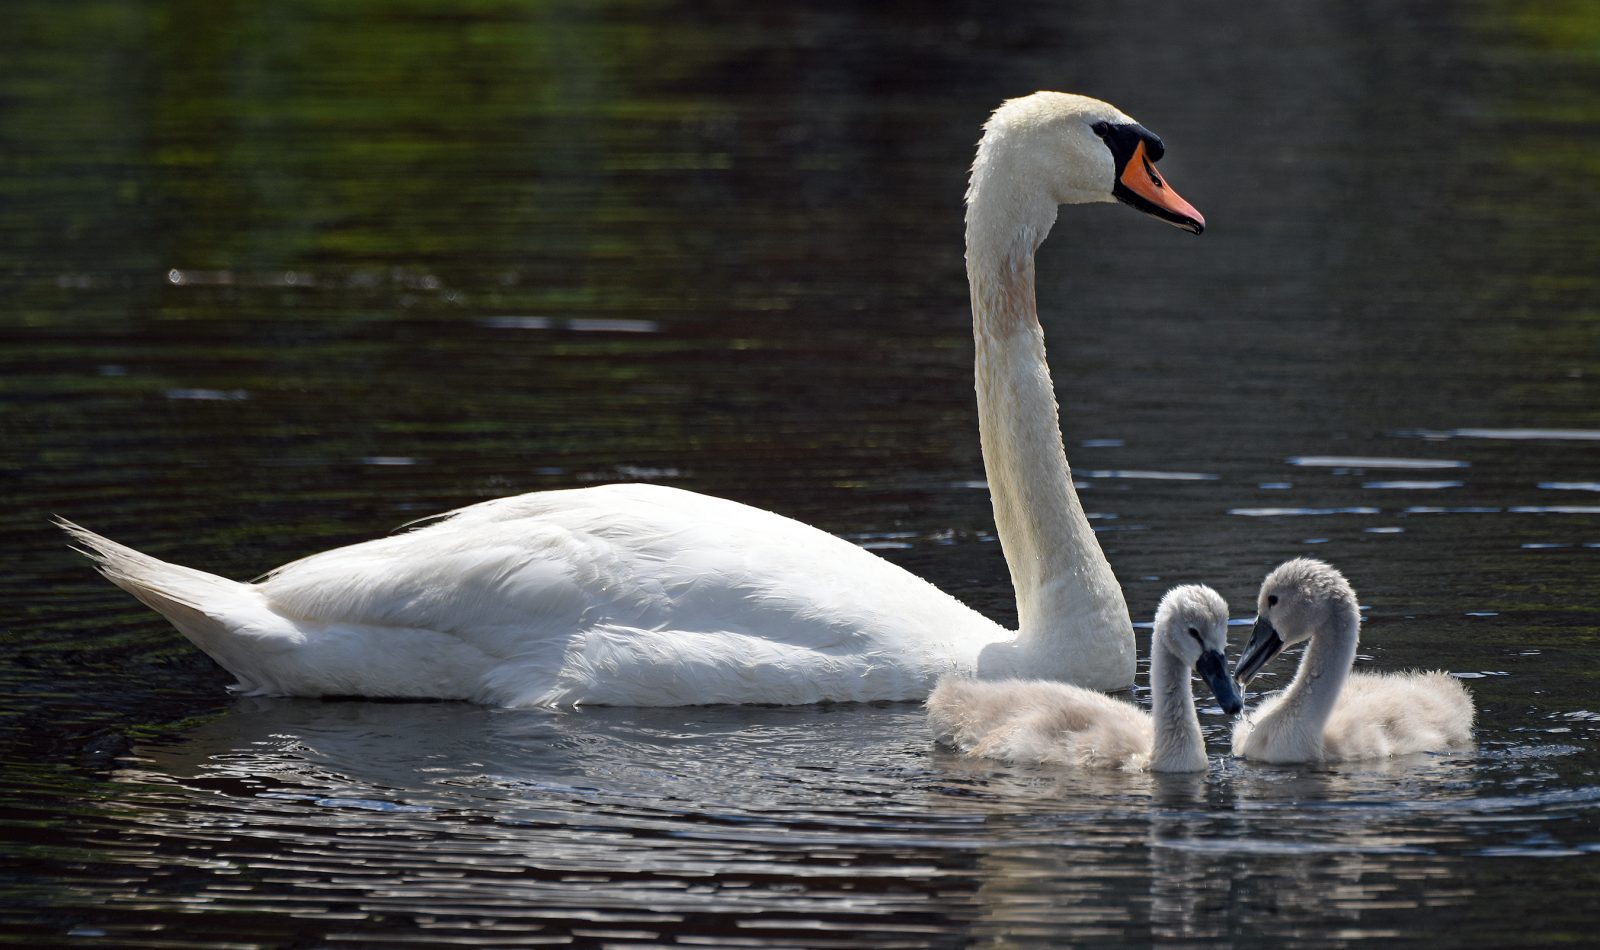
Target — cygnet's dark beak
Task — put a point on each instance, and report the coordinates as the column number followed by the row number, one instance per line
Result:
column 1213, row 668
column 1265, row 643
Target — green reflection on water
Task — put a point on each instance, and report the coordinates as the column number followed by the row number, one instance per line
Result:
column 1569, row 27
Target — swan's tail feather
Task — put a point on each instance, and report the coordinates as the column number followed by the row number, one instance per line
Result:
column 178, row 593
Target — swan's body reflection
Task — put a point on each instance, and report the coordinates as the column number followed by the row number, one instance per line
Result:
column 653, row 821
column 455, row 756
column 697, row 821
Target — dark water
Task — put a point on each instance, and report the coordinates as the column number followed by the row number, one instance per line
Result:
column 283, row 276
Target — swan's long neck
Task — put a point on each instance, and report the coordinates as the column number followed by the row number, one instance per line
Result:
column 1178, row 744
column 1302, row 715
column 1073, row 620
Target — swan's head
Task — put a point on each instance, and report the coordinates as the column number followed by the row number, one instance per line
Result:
column 1192, row 625
column 1061, row 148
column 1299, row 599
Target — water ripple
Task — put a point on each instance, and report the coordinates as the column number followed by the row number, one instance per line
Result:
column 1149, row 475
column 1300, row 512
column 1412, row 485
column 1365, row 462
column 573, row 324
column 1517, row 435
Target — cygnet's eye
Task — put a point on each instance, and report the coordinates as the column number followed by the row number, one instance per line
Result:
column 1101, row 129
column 1193, row 632
column 1272, row 600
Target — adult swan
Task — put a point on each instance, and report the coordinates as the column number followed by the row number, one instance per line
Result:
column 652, row 596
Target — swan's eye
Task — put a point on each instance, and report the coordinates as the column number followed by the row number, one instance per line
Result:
column 1194, row 633
column 1102, row 129
column 1272, row 600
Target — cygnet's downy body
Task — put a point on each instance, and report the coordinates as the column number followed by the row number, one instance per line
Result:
column 1329, row 713
column 1038, row 721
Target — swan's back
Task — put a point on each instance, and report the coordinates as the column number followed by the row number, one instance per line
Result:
column 617, row 594
column 1040, row 721
column 651, row 554
column 649, row 595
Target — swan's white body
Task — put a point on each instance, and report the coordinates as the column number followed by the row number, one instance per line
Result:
column 608, row 595
column 1037, row 721
column 642, row 595
column 1329, row 713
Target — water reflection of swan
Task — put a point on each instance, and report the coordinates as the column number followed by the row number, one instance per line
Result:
column 647, row 595
column 827, row 818
column 1041, row 721
column 518, row 765
column 1328, row 713
column 494, row 822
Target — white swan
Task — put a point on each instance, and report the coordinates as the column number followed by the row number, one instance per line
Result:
column 1042, row 721
column 646, row 595
column 1329, row 713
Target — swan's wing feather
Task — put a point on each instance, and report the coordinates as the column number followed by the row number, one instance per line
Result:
column 643, row 555
column 496, row 584
column 628, row 581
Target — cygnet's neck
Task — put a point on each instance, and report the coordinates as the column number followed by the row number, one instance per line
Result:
column 1178, row 745
column 1073, row 619
column 1301, row 717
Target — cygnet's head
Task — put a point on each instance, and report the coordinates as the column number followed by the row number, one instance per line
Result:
column 1299, row 599
column 1192, row 625
column 1078, row 150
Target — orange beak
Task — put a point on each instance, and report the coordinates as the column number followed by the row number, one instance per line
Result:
column 1139, row 176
